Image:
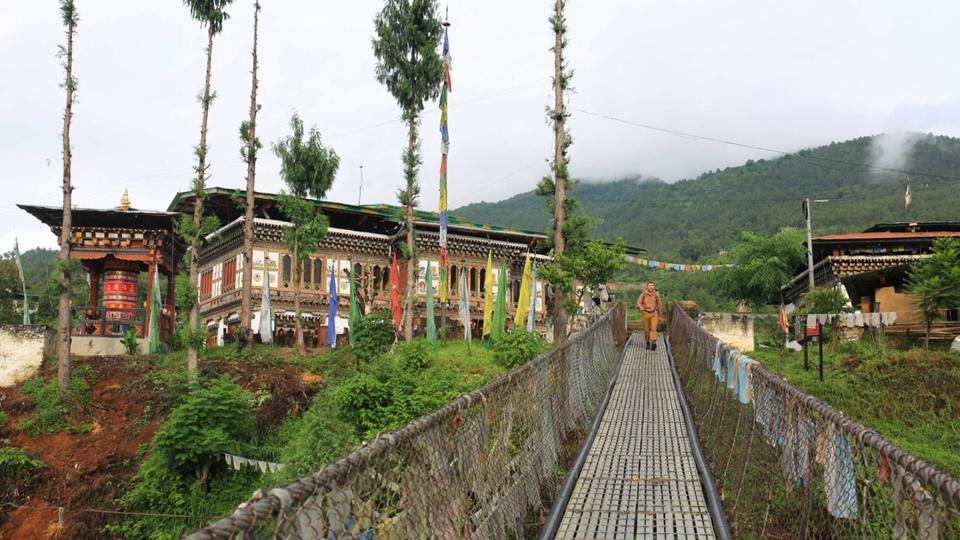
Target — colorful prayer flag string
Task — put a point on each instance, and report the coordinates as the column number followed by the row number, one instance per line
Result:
column 676, row 267
column 444, row 150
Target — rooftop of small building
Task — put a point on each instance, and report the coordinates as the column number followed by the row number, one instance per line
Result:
column 123, row 216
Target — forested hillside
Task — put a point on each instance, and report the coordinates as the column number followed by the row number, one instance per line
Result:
column 693, row 219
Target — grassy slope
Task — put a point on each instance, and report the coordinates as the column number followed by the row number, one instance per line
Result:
column 910, row 397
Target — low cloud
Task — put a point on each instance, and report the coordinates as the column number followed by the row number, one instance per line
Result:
column 893, row 150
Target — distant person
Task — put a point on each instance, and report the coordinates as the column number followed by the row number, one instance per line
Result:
column 651, row 308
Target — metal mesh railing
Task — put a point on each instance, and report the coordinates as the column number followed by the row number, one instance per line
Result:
column 484, row 466
column 787, row 465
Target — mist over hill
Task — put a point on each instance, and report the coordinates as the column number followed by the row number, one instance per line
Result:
column 694, row 218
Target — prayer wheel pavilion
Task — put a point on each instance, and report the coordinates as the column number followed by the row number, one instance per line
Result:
column 118, row 247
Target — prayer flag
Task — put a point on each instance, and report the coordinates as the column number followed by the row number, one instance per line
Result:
column 488, row 297
column 465, row 307
column 523, row 302
column 532, row 312
column 500, row 312
column 23, row 283
column 782, row 320
column 431, row 323
column 266, row 310
column 444, row 150
column 332, row 314
column 153, row 343
column 354, row 303
column 395, row 293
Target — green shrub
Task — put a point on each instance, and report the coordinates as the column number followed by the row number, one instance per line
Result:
column 16, row 463
column 517, row 348
column 316, row 438
column 373, row 336
column 214, row 418
column 413, row 356
column 51, row 408
column 3, row 420
column 130, row 343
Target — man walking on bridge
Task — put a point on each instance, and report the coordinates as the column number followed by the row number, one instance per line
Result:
column 651, row 308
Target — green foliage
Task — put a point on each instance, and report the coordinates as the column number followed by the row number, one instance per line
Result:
column 214, row 418
column 407, row 37
column 50, row 406
column 934, row 283
column 307, row 167
column 16, row 463
column 413, row 356
column 316, row 438
column 130, row 343
column 762, row 265
column 373, row 335
column 3, row 420
column 825, row 300
column 518, row 347
column 209, row 13
column 691, row 220
column 308, row 229
column 588, row 264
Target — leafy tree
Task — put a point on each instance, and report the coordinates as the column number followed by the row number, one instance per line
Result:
column 558, row 185
column 762, row 265
column 593, row 263
column 251, row 144
column 372, row 336
column 211, row 14
column 934, row 283
column 68, row 13
column 9, row 292
column 215, row 418
column 408, row 34
column 308, row 168
column 826, row 300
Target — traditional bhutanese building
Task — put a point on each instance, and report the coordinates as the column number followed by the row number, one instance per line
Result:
column 872, row 267
column 363, row 236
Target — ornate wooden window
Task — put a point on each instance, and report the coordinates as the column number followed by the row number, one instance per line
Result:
column 206, row 284
column 285, row 270
column 479, row 285
column 454, row 289
column 317, row 274
column 385, row 279
column 229, row 275
column 307, row 273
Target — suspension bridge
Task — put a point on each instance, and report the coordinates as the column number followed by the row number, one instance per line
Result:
column 603, row 438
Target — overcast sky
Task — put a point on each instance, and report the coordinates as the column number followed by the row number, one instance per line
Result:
column 787, row 74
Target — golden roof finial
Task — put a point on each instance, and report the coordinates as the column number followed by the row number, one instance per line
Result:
column 125, row 200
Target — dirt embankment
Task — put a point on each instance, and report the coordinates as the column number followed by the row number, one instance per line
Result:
column 89, row 471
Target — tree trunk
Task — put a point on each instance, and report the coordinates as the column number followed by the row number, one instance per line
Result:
column 246, row 336
column 63, row 315
column 298, row 324
column 559, row 168
column 199, row 186
column 411, row 268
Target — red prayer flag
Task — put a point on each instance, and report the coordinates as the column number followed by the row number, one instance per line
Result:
column 395, row 292
column 782, row 320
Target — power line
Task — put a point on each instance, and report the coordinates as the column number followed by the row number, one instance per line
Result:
column 688, row 135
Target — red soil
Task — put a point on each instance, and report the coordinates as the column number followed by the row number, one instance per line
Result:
column 90, row 470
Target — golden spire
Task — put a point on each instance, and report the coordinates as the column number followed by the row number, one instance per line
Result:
column 125, row 200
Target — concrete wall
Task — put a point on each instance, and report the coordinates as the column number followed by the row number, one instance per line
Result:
column 22, row 349
column 906, row 309
column 101, row 346
column 735, row 329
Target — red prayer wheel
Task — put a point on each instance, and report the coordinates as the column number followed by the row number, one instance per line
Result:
column 120, row 290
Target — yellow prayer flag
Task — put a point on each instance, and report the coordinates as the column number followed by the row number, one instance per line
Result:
column 488, row 297
column 523, row 302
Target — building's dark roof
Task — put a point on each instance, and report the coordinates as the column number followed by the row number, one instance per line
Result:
column 92, row 217
column 923, row 226
column 880, row 236
column 380, row 218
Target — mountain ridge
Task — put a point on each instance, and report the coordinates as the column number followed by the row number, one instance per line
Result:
column 693, row 219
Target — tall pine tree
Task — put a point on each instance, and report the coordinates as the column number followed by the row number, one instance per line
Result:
column 68, row 12
column 210, row 14
column 251, row 144
column 408, row 34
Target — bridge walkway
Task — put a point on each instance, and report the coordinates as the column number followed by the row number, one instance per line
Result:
column 640, row 479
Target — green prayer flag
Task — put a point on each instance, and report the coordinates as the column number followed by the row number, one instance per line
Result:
column 354, row 304
column 153, row 344
column 500, row 311
column 431, row 323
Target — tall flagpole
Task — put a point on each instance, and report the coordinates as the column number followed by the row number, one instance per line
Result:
column 23, row 282
column 444, row 150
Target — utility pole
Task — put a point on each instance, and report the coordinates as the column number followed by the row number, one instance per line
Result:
column 806, row 212
column 360, row 194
